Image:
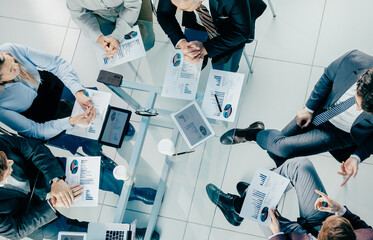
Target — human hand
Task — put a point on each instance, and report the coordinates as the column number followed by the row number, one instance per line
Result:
column 275, row 225
column 62, row 192
column 76, row 191
column 112, row 48
column 303, row 118
column 103, row 41
column 82, row 99
column 348, row 169
column 333, row 206
column 85, row 117
column 195, row 52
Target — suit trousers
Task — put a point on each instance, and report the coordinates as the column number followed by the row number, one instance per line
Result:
column 304, row 178
column 293, row 141
column 230, row 64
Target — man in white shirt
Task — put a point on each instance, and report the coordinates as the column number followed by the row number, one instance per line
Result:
column 337, row 118
column 107, row 22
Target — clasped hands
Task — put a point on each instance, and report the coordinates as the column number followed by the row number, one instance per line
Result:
column 109, row 44
column 332, row 206
column 88, row 115
column 194, row 51
column 349, row 167
column 63, row 195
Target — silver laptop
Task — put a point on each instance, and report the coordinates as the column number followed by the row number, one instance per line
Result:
column 111, row 231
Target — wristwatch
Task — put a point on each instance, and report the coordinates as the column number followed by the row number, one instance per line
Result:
column 56, row 179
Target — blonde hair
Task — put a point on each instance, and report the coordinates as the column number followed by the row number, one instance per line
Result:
column 336, row 228
column 23, row 74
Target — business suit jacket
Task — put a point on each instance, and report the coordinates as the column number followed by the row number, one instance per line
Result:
column 234, row 20
column 338, row 77
column 29, row 156
column 362, row 230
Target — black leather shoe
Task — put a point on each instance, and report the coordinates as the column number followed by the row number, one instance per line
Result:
column 241, row 188
column 140, row 234
column 225, row 202
column 236, row 135
column 146, row 195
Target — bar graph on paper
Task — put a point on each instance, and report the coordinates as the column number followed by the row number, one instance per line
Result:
column 257, row 202
column 220, row 96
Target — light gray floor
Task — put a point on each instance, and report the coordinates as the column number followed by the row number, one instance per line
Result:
column 293, row 49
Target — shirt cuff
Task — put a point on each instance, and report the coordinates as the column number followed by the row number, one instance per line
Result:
column 342, row 213
column 54, row 210
column 276, row 234
column 76, row 88
column 357, row 157
column 65, row 123
column 309, row 110
column 177, row 44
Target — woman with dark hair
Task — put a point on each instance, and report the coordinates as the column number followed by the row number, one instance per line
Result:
column 30, row 103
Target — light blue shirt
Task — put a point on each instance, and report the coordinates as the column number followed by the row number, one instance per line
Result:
column 17, row 97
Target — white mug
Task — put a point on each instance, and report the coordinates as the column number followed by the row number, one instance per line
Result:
column 120, row 172
column 167, row 147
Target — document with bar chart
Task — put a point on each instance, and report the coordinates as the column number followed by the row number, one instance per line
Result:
column 264, row 193
column 84, row 171
column 182, row 78
column 130, row 48
column 100, row 101
column 222, row 95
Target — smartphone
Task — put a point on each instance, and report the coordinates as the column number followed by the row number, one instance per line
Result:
column 111, row 78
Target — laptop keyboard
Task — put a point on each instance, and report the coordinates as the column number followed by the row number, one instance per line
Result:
column 114, row 235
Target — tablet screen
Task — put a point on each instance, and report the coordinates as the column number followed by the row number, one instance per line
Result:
column 192, row 124
column 114, row 126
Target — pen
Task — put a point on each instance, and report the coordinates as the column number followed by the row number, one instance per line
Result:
column 181, row 153
column 217, row 101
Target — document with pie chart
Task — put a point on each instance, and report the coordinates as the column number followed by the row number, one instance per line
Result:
column 222, row 95
column 84, row 171
column 182, row 78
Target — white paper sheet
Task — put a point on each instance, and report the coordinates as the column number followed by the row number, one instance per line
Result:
column 182, row 78
column 100, row 101
column 130, row 48
column 84, row 171
column 227, row 86
column 264, row 193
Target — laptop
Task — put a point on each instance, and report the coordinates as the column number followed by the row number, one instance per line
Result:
column 111, row 231
column 72, row 236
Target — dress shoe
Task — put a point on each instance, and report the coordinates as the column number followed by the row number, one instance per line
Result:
column 140, row 234
column 225, row 202
column 146, row 195
column 236, row 135
column 241, row 188
column 107, row 163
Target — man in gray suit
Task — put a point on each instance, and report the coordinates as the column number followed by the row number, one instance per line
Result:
column 316, row 209
column 337, row 118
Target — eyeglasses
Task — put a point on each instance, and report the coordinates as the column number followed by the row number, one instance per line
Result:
column 146, row 113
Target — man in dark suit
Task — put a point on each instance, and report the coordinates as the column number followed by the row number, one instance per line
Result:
column 337, row 118
column 315, row 207
column 28, row 172
column 226, row 27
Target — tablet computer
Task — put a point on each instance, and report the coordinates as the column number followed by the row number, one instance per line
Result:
column 72, row 236
column 115, row 127
column 192, row 125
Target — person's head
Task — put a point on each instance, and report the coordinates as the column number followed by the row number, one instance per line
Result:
column 10, row 68
column 186, row 5
column 336, row 228
column 5, row 167
column 364, row 93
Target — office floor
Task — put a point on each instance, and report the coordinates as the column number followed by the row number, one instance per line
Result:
column 293, row 49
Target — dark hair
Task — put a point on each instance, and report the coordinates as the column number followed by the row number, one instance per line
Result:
column 336, row 228
column 3, row 164
column 365, row 90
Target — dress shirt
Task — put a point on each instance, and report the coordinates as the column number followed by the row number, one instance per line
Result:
column 205, row 3
column 345, row 120
column 123, row 13
column 14, row 184
column 17, row 97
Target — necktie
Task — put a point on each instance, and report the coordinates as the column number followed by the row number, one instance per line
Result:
column 207, row 22
column 333, row 111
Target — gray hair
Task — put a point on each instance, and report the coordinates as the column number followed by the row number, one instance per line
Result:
column 193, row 1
